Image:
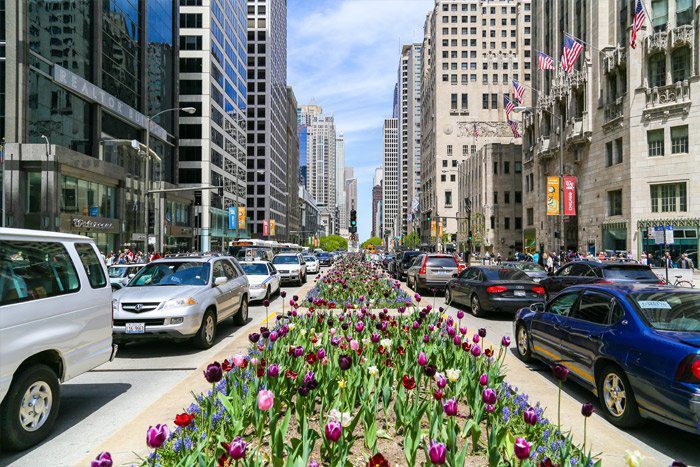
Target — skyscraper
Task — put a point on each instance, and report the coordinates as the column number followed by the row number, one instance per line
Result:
column 391, row 191
column 267, row 117
column 377, row 193
column 212, row 80
column 340, row 193
column 292, row 151
column 350, row 194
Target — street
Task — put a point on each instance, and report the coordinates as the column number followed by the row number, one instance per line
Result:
column 100, row 402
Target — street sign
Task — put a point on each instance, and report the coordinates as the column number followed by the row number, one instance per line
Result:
column 663, row 235
column 669, row 235
column 94, row 211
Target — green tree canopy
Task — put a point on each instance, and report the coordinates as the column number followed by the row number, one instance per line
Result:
column 332, row 243
column 411, row 240
column 376, row 241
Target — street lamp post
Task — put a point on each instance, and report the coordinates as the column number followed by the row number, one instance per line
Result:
column 561, row 166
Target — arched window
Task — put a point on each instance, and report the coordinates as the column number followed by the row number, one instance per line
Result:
column 657, row 69
column 680, row 64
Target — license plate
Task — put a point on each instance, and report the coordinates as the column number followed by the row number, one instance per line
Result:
column 135, row 328
column 442, row 273
column 519, row 293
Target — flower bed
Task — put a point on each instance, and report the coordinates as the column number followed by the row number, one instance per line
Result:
column 339, row 387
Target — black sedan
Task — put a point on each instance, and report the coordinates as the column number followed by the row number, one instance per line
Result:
column 592, row 272
column 493, row 289
column 325, row 259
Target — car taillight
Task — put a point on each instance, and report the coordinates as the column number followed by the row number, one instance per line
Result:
column 689, row 369
column 422, row 268
column 538, row 290
column 661, row 282
column 603, row 282
column 496, row 289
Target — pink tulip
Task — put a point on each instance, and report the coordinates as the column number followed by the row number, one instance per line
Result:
column 157, row 435
column 238, row 360
column 354, row 345
column 422, row 359
column 266, row 399
column 484, row 379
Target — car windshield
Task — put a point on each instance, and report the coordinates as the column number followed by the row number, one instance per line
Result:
column 410, row 255
column 285, row 260
column 117, row 272
column 669, row 311
column 254, row 269
column 172, row 273
column 441, row 262
column 505, row 274
column 528, row 267
column 309, row 259
column 629, row 273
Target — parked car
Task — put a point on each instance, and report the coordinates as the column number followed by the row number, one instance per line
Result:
column 313, row 265
column 637, row 347
column 431, row 271
column 264, row 280
column 121, row 274
column 536, row 272
column 386, row 260
column 291, row 267
column 181, row 298
column 402, row 262
column 325, row 259
column 589, row 272
column 487, row 289
column 55, row 324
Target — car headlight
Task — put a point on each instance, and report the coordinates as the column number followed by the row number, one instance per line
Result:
column 115, row 306
column 177, row 303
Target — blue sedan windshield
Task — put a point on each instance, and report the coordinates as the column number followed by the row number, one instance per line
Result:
column 669, row 311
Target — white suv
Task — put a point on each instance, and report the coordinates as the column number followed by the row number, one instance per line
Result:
column 55, row 323
column 291, row 266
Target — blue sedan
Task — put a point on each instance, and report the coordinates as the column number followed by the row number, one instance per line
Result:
column 637, row 347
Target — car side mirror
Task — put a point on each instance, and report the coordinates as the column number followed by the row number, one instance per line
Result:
column 220, row 281
column 537, row 307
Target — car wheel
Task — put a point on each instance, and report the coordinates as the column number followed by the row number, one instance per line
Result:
column 207, row 331
column 523, row 343
column 476, row 307
column 448, row 296
column 240, row 318
column 304, row 279
column 30, row 408
column 617, row 398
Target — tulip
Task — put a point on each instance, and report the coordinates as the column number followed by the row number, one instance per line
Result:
column 238, row 360
column 489, row 408
column 335, row 341
column 437, row 394
column 482, row 332
column 530, row 416
column 451, row 332
column 462, row 330
column 450, row 407
column 422, row 359
column 274, row 336
column 266, row 399
column 298, row 351
column 489, row 396
column 426, row 339
column 254, row 337
column 417, row 297
column 213, row 373
column 476, row 338
column 521, row 448
column 309, row 377
column 377, row 460
column 437, row 453
column 359, row 326
column 354, row 345
column 283, row 294
column 408, row 382
column 457, row 341
column 344, row 362
column 273, row 371
column 587, row 409
column 183, row 419
column 373, row 370
column 505, row 341
column 484, row 379
column 429, row 370
column 440, row 380
column 157, row 435
column 266, row 303
column 321, row 353
column 476, row 350
column 103, row 459
column 633, row 458
column 560, row 372
column 237, row 448
column 460, row 314
column 453, row 375
column 333, row 431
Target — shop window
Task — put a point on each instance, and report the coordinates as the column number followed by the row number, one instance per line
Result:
column 655, row 141
column 680, row 64
column 669, row 197
column 657, row 70
column 679, row 139
column 615, row 203
column 33, row 192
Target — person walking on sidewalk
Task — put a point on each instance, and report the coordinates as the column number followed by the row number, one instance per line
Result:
column 686, row 263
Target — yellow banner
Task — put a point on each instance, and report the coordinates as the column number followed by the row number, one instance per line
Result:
column 552, row 196
column 433, row 228
column 272, row 227
column 441, row 228
column 241, row 218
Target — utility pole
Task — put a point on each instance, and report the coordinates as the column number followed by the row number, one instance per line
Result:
column 562, row 137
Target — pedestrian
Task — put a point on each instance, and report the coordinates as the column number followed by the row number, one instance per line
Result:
column 498, row 259
column 549, row 263
column 686, row 263
column 667, row 261
column 536, row 257
column 643, row 258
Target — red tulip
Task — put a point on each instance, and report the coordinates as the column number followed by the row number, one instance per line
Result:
column 183, row 419
column 408, row 382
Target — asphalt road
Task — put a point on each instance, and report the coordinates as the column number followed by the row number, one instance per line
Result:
column 96, row 404
column 668, row 443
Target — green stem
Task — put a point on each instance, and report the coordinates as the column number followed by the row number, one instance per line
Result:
column 585, row 419
column 559, row 409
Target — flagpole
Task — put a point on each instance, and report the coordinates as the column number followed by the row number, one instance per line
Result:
column 583, row 42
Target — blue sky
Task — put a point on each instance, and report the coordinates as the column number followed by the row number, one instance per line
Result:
column 345, row 55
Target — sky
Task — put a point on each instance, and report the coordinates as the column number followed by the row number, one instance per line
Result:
column 344, row 54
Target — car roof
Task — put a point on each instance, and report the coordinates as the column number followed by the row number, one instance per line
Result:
column 254, row 262
column 130, row 265
column 631, row 288
column 196, row 259
column 39, row 234
column 605, row 264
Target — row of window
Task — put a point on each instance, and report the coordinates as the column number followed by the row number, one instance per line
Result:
column 484, row 10
column 665, row 197
column 679, row 141
column 506, row 223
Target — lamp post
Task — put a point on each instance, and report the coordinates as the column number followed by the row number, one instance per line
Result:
column 561, row 166
column 147, row 179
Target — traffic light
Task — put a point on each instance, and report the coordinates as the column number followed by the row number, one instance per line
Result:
column 428, row 216
column 353, row 221
column 469, row 237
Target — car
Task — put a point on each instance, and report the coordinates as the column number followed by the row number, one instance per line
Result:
column 55, row 324
column 386, row 261
column 313, row 265
column 254, row 254
column 402, row 262
column 291, row 267
column 181, row 299
column 488, row 289
column 533, row 270
column 324, row 259
column 431, row 271
column 590, row 272
column 121, row 274
column 264, row 280
column 635, row 346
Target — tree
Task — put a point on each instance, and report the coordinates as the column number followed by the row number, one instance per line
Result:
column 376, row 241
column 411, row 240
column 332, row 243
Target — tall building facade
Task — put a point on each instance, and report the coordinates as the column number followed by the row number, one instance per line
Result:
column 409, row 115
column 80, row 81
column 472, row 51
column 627, row 117
column 292, row 151
column 340, row 196
column 267, row 117
column 213, row 140
column 377, row 193
column 350, row 195
column 391, row 191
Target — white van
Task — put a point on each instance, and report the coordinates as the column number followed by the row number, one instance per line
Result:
column 55, row 323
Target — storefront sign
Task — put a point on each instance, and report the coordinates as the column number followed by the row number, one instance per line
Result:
column 94, row 211
column 96, row 94
column 84, row 224
column 232, row 218
column 552, row 196
column 569, row 196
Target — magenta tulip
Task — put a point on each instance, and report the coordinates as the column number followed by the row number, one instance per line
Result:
column 489, row 396
column 437, row 453
column 237, row 448
column 422, row 359
column 157, row 435
column 450, row 407
column 103, row 459
column 505, row 341
column 484, row 379
column 213, row 373
column 530, row 416
column 333, row 431
column 521, row 448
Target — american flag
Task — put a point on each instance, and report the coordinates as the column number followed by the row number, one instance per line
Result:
column 508, row 105
column 572, row 49
column 544, row 61
column 475, row 132
column 514, row 128
column 519, row 91
column 639, row 18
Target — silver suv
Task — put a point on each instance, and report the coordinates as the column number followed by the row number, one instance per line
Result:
column 181, row 298
column 432, row 271
column 291, row 266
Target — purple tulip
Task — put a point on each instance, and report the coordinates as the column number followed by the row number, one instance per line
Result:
column 484, row 379
column 482, row 332
column 429, row 370
column 264, row 332
column 476, row 338
column 417, row 297
column 560, row 372
column 489, row 408
column 457, row 340
column 295, row 298
column 359, row 326
column 451, row 332
column 521, row 448
column 273, row 370
column 291, row 302
column 237, row 448
column 450, row 407
column 587, row 409
column 416, row 325
column 375, row 337
column 530, row 416
column 489, row 396
column 460, row 314
column 313, row 464
column 426, row 339
column 103, row 459
column 321, row 353
column 298, row 351
column 440, row 380
column 344, row 362
column 422, row 359
column 283, row 294
column 462, row 330
column 505, row 341
column 437, row 453
column 430, row 307
column 476, row 350
column 335, row 341
column 213, row 373
column 274, row 336
column 333, row 431
column 254, row 337
column 266, row 303
column 157, row 435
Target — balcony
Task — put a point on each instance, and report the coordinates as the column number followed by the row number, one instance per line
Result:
column 657, row 42
column 613, row 110
column 682, row 35
column 576, row 79
column 578, row 131
column 665, row 101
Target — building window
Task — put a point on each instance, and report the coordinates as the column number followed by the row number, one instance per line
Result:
column 518, row 197
column 506, row 167
column 506, row 197
column 444, row 163
column 448, row 198
column 465, row 98
column 657, row 70
column 518, row 167
column 494, row 101
column 495, row 197
column 609, row 153
column 443, row 178
column 190, row 20
column 506, row 223
column 518, row 223
column 493, row 222
column 659, row 14
column 495, row 167
column 679, row 139
column 453, row 101
column 655, row 140
column 680, row 64
column 453, row 177
column 684, row 12
column 449, row 149
column 530, row 212
column 615, row 203
column 485, row 101
column 618, row 151
column 669, row 197
column 465, row 150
